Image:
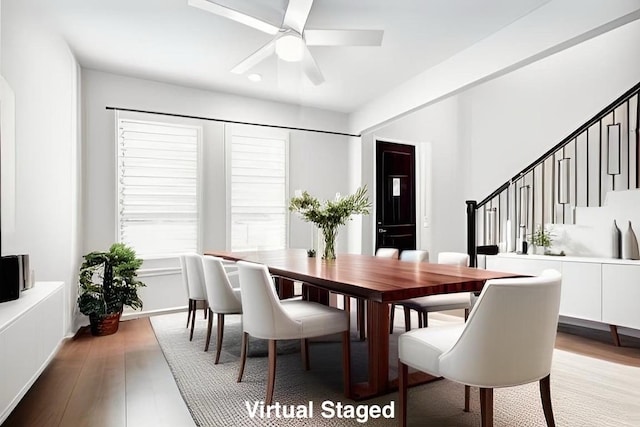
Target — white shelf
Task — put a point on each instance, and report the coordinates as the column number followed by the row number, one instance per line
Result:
column 10, row 311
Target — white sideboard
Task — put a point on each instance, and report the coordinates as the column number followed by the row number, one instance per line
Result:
column 31, row 330
column 621, row 295
column 596, row 289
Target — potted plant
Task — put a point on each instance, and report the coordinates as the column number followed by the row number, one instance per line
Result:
column 108, row 281
column 541, row 240
column 331, row 214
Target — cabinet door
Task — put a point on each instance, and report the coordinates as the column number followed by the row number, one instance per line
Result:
column 51, row 325
column 521, row 265
column 581, row 290
column 621, row 295
column 5, row 392
column 20, row 358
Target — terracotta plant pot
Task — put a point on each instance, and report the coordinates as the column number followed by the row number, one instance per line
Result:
column 105, row 325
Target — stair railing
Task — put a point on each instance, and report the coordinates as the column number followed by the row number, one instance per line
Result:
column 600, row 156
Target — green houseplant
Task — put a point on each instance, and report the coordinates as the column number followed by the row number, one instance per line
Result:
column 108, row 281
column 541, row 238
column 331, row 214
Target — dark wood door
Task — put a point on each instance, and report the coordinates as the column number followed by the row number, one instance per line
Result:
column 395, row 196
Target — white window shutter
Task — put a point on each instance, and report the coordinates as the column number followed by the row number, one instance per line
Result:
column 158, row 203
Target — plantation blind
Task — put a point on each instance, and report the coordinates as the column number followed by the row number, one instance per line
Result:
column 258, row 175
column 158, row 203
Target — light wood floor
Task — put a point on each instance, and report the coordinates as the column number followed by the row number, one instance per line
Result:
column 113, row 381
column 123, row 379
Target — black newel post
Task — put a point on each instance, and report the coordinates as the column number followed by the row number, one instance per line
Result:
column 471, row 233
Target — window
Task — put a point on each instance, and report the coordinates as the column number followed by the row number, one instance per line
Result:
column 158, row 189
column 257, row 177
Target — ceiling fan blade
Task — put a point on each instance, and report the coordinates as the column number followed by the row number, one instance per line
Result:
column 255, row 58
column 311, row 69
column 343, row 37
column 296, row 14
column 235, row 16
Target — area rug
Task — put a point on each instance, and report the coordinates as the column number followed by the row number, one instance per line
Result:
column 585, row 391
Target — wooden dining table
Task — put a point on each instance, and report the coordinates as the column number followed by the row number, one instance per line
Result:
column 379, row 282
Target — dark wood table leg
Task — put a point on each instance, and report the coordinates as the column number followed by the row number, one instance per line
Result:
column 360, row 313
column 285, row 287
column 312, row 293
column 378, row 351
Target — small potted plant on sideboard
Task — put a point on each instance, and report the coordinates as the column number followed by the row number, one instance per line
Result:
column 108, row 281
column 541, row 240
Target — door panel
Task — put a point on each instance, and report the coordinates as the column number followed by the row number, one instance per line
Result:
column 395, row 196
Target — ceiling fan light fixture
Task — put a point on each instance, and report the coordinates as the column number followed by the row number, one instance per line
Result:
column 290, row 47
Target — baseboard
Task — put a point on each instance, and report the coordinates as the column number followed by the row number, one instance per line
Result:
column 140, row 314
column 129, row 316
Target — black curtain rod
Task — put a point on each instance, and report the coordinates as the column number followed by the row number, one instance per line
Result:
column 184, row 116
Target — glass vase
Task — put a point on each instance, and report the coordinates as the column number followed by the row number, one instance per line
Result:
column 329, row 233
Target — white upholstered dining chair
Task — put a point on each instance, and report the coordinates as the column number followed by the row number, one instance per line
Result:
column 266, row 317
column 408, row 255
column 193, row 277
column 387, row 253
column 414, row 255
column 444, row 302
column 507, row 341
column 222, row 297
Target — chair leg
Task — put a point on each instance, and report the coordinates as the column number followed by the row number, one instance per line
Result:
column 407, row 319
column 243, row 354
column 209, row 327
column 403, row 377
column 425, row 319
column 392, row 318
column 188, row 313
column 304, row 353
column 467, row 398
column 271, row 380
column 466, row 314
column 614, row 335
column 193, row 320
column 219, row 336
column 346, row 363
column 486, row 407
column 347, row 304
column 205, row 308
column 545, row 394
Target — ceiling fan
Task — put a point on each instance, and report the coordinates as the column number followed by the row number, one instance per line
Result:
column 291, row 40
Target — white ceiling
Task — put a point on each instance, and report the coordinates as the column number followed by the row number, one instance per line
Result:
column 169, row 41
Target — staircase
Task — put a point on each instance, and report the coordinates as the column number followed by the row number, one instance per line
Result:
column 601, row 155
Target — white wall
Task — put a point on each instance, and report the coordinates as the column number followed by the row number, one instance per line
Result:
column 511, row 121
column 44, row 76
column 439, row 182
column 354, row 229
column 318, row 162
